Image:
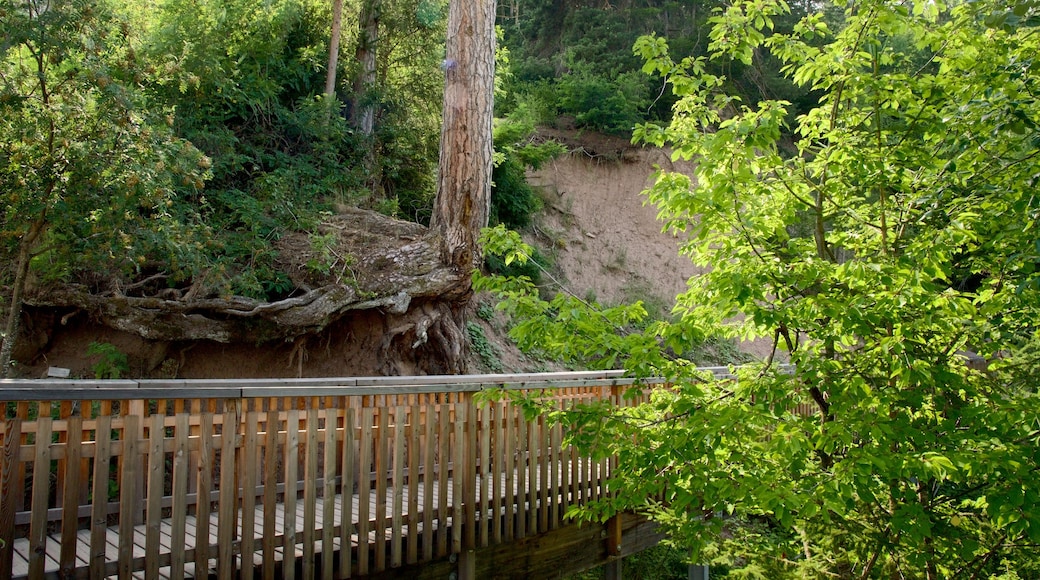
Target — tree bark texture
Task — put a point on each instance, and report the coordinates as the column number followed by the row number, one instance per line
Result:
column 368, row 41
column 462, row 205
column 14, row 313
column 337, row 27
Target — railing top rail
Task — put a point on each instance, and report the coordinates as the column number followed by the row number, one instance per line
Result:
column 80, row 389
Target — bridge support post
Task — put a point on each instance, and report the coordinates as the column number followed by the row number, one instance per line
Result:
column 613, row 565
column 467, row 565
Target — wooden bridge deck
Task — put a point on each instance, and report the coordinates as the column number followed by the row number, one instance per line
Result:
column 190, row 532
column 443, row 474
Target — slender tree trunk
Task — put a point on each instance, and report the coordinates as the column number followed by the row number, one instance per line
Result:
column 337, row 25
column 14, row 314
column 368, row 40
column 462, row 205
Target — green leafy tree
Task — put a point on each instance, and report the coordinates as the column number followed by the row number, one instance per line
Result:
column 87, row 171
column 887, row 241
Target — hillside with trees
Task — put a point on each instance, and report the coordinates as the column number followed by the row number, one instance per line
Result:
column 180, row 171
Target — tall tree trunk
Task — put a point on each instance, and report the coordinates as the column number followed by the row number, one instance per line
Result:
column 368, row 40
column 462, row 205
column 337, row 26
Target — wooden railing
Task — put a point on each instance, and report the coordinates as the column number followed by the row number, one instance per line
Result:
column 314, row 478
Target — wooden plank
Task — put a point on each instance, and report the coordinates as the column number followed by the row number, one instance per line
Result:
column 364, row 487
column 443, row 459
column 138, row 408
column 61, row 430
column 458, row 479
column 521, row 475
column 271, row 458
column 70, row 509
column 99, row 511
column 497, row 430
column 558, row 470
column 544, row 466
column 414, row 452
column 40, row 490
column 179, row 510
column 12, row 433
column 509, row 466
column 382, row 440
column 22, row 413
column 203, row 486
column 429, row 479
column 292, row 463
column 153, row 516
column 347, row 491
column 484, row 504
column 310, row 490
column 247, row 467
column 328, row 492
column 227, row 512
column 397, row 485
column 532, row 476
column 130, row 472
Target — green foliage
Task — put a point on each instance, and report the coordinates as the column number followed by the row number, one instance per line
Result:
column 513, row 202
column 507, row 256
column 488, row 353
column 607, row 104
column 89, row 167
column 660, row 562
column 900, row 236
column 112, row 362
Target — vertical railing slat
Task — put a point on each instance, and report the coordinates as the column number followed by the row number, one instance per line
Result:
column 328, row 492
column 347, row 491
column 364, row 487
column 458, row 478
column 485, row 427
column 247, row 472
column 129, row 464
column 153, row 501
column 310, row 489
column 497, row 460
column 532, row 476
column 203, row 486
column 521, row 475
column 41, row 473
column 443, row 460
column 397, row 484
column 414, row 453
column 509, row 466
column 179, row 488
column 12, row 433
column 99, row 495
column 382, row 440
column 429, row 479
column 292, row 464
column 559, row 491
column 70, row 504
column 271, row 463
column 227, row 512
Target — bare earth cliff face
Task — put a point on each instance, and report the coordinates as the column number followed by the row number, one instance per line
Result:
column 367, row 313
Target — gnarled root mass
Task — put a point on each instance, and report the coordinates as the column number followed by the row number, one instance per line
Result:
column 363, row 262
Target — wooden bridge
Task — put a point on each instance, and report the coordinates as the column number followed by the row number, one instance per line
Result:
column 309, row 478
